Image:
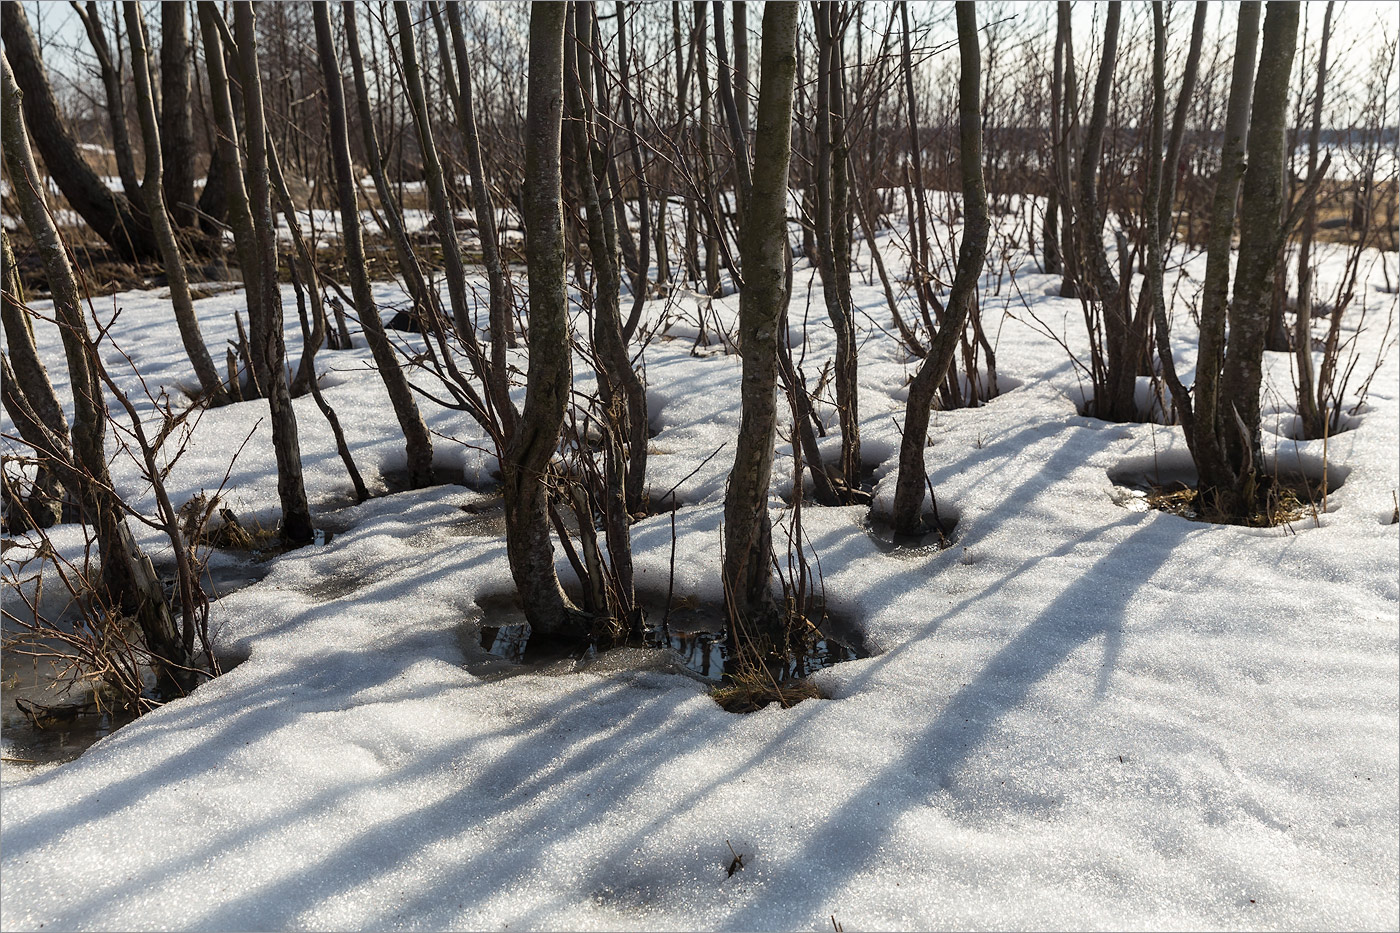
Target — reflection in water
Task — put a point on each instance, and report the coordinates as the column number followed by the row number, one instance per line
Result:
column 41, row 720
column 694, row 631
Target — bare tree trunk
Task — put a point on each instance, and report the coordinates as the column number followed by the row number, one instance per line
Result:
column 918, row 242
column 418, row 444
column 31, row 402
column 176, row 131
column 708, row 166
column 267, row 322
column 621, row 390
column 436, row 187
column 533, row 442
column 443, row 221
column 303, row 267
column 913, row 476
column 116, row 103
column 833, row 233
column 236, row 208
column 1067, row 124
column 128, row 578
column 157, row 213
column 502, row 330
column 629, row 120
column 1213, row 470
column 1261, row 198
column 1113, row 397
column 1314, row 423
column 748, row 555
column 388, row 204
column 741, row 64
column 110, row 215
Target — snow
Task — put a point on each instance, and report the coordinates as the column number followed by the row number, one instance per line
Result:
column 1077, row 716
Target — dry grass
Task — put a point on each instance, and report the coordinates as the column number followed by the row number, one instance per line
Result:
column 1280, row 504
column 749, row 695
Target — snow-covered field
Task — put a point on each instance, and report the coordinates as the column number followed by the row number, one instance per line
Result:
column 1078, row 716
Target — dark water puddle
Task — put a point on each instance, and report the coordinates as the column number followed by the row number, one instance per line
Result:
column 939, row 532
column 862, row 494
column 49, row 717
column 62, row 722
column 497, row 640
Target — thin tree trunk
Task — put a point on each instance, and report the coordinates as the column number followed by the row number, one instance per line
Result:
column 618, row 386
column 1262, row 199
column 1212, row 468
column 110, row 215
column 128, row 578
column 267, row 323
column 31, row 401
column 1113, row 397
column 748, row 556
column 418, row 443
column 833, row 233
column 536, row 436
column 502, row 330
column 708, row 166
column 1310, row 411
column 741, row 64
column 157, row 212
column 629, row 120
column 176, row 130
column 913, row 476
column 303, row 265
column 236, row 208
column 1167, row 197
column 112, row 81
column 388, row 204
column 1067, row 124
column 621, row 390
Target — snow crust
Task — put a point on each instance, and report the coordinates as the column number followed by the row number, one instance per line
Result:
column 1078, row 716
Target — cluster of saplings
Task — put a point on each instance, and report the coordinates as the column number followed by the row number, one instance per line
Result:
column 561, row 452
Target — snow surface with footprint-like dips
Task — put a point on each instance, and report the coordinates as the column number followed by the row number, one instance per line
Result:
column 1079, row 715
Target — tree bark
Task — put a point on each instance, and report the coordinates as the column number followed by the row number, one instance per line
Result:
column 443, row 221
column 629, row 120
column 128, row 579
column 753, row 613
column 31, row 401
column 1212, row 468
column 502, row 330
column 536, row 435
column 833, row 233
column 1262, row 199
column 91, row 19
column 708, row 167
column 1066, row 144
column 741, row 64
column 109, row 214
column 913, row 476
column 621, row 390
column 418, row 443
column 388, row 205
column 176, row 129
column 236, row 208
column 267, row 323
column 1310, row 412
column 157, row 212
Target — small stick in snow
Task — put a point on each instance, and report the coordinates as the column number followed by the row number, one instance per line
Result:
column 738, row 861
